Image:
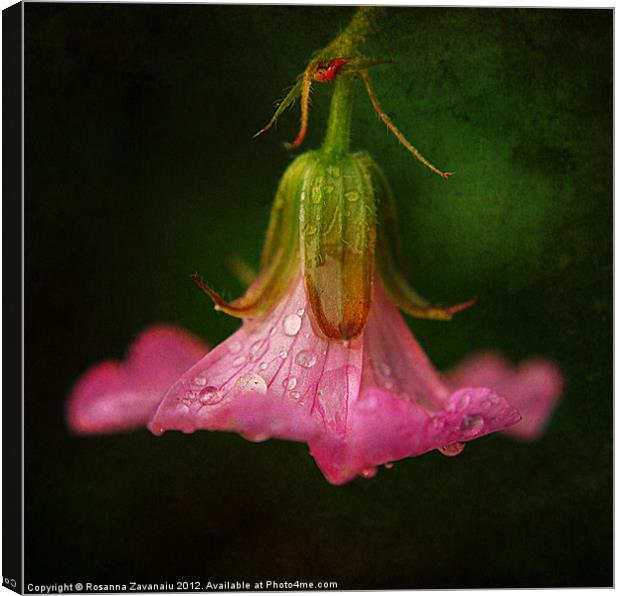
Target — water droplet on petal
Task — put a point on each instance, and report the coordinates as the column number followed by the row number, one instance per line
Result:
column 257, row 349
column 209, row 396
column 291, row 324
column 295, row 395
column 273, row 331
column 462, row 402
column 289, row 383
column 452, row 449
column 389, row 465
column 238, row 361
column 367, row 403
column 385, row 369
column 200, row 381
column 301, row 312
column 369, row 472
column 255, row 438
column 306, row 359
column 472, row 425
column 262, row 366
column 234, row 347
column 251, row 384
column 283, row 354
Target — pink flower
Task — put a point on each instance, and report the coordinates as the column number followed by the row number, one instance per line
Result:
column 323, row 355
column 114, row 396
column 534, row 388
column 373, row 401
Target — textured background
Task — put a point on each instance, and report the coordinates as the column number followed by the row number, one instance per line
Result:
column 141, row 169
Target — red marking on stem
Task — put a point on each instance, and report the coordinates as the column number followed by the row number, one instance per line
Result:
column 326, row 71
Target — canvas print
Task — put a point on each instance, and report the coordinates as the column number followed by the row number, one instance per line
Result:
column 316, row 297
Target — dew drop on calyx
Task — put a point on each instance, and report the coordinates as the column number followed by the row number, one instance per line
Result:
column 209, row 395
column 306, row 359
column 291, row 324
column 452, row 449
column 333, row 171
column 317, row 194
column 251, row 384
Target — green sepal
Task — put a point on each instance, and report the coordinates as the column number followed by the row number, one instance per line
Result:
column 389, row 259
column 338, row 236
column 280, row 258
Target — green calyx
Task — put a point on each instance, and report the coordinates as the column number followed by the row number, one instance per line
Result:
column 338, row 236
column 389, row 258
column 280, row 258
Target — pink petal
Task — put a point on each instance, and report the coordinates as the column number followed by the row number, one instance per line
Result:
column 360, row 405
column 114, row 396
column 404, row 408
column 272, row 378
column 533, row 387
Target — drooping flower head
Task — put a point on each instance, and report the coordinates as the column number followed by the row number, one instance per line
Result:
column 323, row 355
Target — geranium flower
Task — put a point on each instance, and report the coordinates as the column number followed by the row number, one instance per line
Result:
column 360, row 405
column 372, row 402
column 323, row 355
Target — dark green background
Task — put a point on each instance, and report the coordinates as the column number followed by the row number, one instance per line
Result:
column 140, row 169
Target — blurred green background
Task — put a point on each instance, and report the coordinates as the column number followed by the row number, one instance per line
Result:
column 141, row 168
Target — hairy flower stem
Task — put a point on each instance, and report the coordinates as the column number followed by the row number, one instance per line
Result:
column 349, row 44
column 351, row 41
column 339, row 124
